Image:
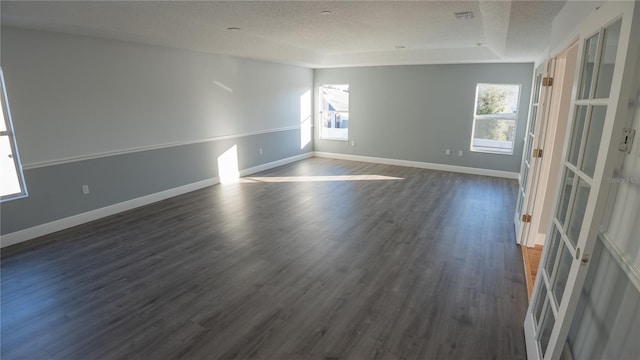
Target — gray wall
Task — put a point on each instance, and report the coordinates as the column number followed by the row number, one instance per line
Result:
column 107, row 103
column 417, row 112
column 131, row 119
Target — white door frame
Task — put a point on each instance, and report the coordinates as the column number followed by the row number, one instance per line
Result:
column 556, row 124
column 543, row 95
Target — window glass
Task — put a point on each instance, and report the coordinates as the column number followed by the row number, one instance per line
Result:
column 494, row 120
column 334, row 112
column 11, row 181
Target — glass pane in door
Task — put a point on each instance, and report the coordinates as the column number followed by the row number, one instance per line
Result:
column 547, row 327
column 608, row 60
column 596, row 124
column 536, row 89
column 540, row 301
column 577, row 211
column 589, row 66
column 550, row 261
column 532, row 123
column 562, row 273
column 576, row 134
column 567, row 187
column 525, row 174
column 520, row 203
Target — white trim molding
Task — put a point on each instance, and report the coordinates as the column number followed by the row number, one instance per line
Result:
column 419, row 164
column 274, row 164
column 71, row 221
column 540, row 239
column 40, row 164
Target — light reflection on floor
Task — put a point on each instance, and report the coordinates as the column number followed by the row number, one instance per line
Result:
column 284, row 179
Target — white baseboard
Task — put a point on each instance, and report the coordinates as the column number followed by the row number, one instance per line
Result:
column 418, row 164
column 540, row 238
column 71, row 221
column 273, row 164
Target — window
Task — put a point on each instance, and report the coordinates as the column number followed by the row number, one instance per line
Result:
column 11, row 181
column 494, row 119
column 334, row 112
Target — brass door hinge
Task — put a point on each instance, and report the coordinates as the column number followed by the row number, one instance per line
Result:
column 526, row 218
column 537, row 153
column 548, row 81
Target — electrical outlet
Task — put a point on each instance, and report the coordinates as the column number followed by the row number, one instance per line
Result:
column 260, row 151
column 353, row 143
column 447, row 152
column 460, row 153
column 85, row 189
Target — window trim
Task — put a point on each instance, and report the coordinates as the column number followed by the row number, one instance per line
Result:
column 504, row 116
column 12, row 141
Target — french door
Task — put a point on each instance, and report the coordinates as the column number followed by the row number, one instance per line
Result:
column 532, row 153
column 597, row 117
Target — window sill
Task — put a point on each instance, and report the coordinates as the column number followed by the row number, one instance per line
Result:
column 492, row 151
column 334, row 139
column 7, row 198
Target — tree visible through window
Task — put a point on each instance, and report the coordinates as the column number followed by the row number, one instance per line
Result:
column 11, row 180
column 334, row 112
column 494, row 120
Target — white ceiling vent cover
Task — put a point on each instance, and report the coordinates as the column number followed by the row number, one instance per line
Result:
column 464, row 15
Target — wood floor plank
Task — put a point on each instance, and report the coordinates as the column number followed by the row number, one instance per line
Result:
column 394, row 263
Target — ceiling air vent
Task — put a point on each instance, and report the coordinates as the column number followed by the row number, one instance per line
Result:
column 464, row 15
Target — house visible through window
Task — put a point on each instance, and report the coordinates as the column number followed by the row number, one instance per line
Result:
column 11, row 181
column 494, row 119
column 334, row 112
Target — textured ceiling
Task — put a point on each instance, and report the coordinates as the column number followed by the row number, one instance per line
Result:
column 355, row 33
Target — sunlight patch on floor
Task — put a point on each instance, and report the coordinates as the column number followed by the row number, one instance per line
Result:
column 285, row 179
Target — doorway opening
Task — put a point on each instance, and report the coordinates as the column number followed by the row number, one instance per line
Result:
column 538, row 202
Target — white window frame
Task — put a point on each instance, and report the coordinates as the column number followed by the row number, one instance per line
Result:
column 506, row 116
column 320, row 124
column 12, row 141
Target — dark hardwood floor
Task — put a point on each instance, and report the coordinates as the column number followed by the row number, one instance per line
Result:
column 284, row 265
